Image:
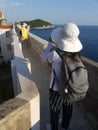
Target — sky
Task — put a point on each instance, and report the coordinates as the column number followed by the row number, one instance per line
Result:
column 81, row 12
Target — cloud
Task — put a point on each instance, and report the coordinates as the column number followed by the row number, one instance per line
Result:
column 17, row 4
column 2, row 4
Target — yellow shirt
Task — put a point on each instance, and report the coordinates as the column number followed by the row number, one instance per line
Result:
column 24, row 33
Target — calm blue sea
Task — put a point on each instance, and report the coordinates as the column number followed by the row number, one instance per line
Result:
column 88, row 36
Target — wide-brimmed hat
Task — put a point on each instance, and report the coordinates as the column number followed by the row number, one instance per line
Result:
column 66, row 38
column 24, row 24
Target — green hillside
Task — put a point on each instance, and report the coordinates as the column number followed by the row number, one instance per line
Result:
column 38, row 23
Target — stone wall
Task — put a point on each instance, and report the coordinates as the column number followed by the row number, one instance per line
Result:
column 15, row 115
column 38, row 44
column 6, row 44
column 23, row 111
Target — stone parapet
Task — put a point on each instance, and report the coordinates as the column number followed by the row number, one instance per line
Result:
column 15, row 115
column 38, row 44
column 23, row 111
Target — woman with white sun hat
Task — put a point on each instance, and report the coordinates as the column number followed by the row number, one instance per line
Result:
column 67, row 41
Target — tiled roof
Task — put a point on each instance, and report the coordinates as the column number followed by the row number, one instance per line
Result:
column 6, row 26
column 3, row 23
column 1, row 14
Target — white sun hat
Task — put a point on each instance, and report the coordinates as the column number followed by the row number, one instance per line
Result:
column 66, row 38
column 24, row 24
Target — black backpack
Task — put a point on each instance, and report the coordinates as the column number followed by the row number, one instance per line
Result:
column 73, row 83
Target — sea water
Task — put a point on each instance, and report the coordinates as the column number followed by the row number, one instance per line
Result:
column 88, row 36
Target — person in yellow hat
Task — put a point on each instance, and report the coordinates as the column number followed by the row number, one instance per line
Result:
column 24, row 31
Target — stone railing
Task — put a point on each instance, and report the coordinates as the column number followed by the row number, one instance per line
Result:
column 23, row 111
column 38, row 44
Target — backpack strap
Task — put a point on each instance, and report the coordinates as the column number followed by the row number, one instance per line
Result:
column 74, row 71
column 60, row 53
column 54, row 79
column 65, row 68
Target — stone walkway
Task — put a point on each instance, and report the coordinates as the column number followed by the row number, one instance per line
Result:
column 41, row 76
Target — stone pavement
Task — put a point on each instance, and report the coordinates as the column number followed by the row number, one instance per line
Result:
column 41, row 76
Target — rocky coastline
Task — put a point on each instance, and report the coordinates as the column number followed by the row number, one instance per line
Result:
column 43, row 27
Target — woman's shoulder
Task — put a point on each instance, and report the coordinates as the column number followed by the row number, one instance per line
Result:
column 55, row 56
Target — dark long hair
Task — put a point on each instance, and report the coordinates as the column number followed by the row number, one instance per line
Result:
column 74, row 56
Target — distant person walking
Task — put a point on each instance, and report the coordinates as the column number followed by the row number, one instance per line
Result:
column 24, row 33
column 66, row 40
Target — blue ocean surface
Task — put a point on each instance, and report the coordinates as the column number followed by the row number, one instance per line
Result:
column 88, row 36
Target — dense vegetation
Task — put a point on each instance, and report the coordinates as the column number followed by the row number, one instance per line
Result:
column 3, row 20
column 37, row 23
